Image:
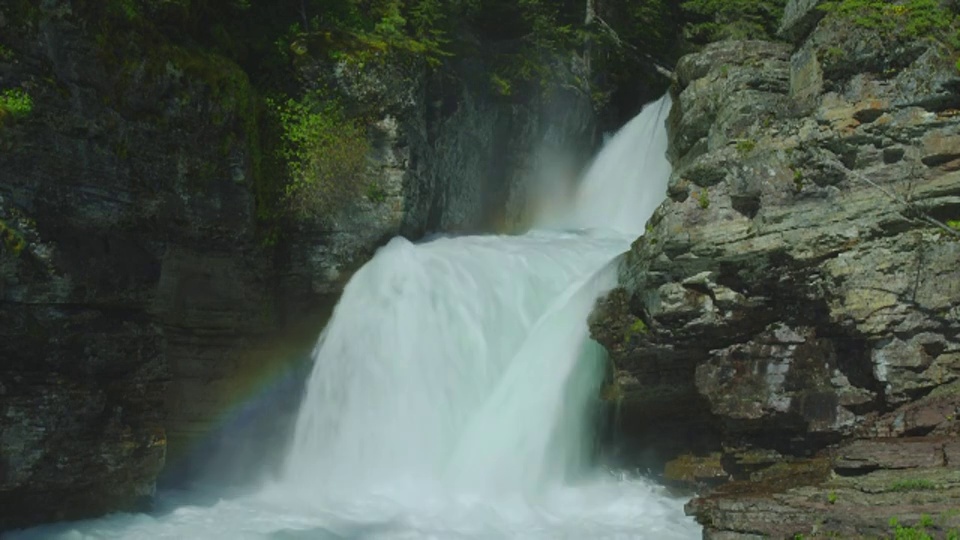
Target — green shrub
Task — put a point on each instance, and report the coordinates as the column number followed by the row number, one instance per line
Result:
column 16, row 103
column 745, row 146
column 704, row 199
column 324, row 152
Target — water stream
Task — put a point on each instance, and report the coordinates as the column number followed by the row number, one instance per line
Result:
column 455, row 390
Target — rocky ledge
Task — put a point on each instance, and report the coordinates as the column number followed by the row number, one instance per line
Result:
column 786, row 335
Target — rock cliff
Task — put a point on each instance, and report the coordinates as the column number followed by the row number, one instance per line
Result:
column 789, row 325
column 139, row 300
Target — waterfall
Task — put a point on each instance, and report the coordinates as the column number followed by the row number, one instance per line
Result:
column 447, row 365
column 454, row 390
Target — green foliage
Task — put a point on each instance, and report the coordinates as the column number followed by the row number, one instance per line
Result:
column 704, row 199
column 798, row 180
column 714, row 20
column 910, row 19
column 901, row 532
column 126, row 8
column 376, row 193
column 636, row 329
column 364, row 31
column 745, row 146
column 6, row 54
column 954, row 224
column 12, row 240
column 500, row 85
column 16, row 103
column 324, row 153
column 832, row 497
column 913, row 484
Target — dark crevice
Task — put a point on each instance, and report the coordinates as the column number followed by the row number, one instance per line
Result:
column 866, row 116
column 939, row 159
column 853, row 472
column 746, row 206
column 919, row 431
column 893, row 155
column 853, row 360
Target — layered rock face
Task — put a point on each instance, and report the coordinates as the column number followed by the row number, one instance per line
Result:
column 790, row 321
column 139, row 301
column 128, row 191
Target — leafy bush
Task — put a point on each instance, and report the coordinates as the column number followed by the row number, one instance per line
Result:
column 324, row 152
column 16, row 103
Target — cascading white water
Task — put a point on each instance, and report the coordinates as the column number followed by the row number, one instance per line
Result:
column 452, row 391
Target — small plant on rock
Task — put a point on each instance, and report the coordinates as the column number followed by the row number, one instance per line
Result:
column 913, row 484
column 636, row 329
column 798, row 180
column 325, row 155
column 16, row 103
column 901, row 532
column 704, row 199
column 745, row 146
